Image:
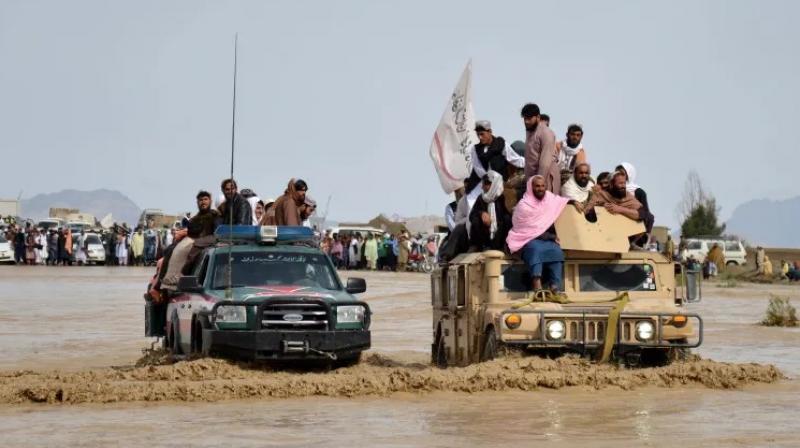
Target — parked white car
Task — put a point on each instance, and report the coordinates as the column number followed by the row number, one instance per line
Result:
column 96, row 252
column 6, row 251
column 734, row 251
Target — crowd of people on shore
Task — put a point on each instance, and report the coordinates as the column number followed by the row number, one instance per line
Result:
column 515, row 193
column 388, row 252
column 146, row 244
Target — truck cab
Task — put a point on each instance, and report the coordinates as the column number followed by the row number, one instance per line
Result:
column 264, row 293
column 617, row 304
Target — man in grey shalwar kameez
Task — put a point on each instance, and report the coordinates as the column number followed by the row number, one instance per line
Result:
column 541, row 155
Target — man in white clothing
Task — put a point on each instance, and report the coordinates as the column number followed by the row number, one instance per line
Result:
column 579, row 186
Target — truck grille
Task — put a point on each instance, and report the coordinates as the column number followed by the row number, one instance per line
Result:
column 594, row 330
column 295, row 316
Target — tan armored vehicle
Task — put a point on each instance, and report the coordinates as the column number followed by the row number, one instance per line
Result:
column 628, row 306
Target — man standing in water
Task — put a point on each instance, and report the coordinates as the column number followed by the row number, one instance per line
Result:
column 541, row 156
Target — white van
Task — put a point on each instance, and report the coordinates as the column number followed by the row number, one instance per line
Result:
column 734, row 251
column 348, row 230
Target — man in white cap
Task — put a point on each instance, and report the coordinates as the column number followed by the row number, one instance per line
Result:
column 491, row 154
column 307, row 210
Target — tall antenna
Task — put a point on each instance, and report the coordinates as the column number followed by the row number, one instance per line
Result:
column 228, row 290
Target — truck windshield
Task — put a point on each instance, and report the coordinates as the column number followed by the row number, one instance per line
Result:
column 275, row 269
column 616, row 277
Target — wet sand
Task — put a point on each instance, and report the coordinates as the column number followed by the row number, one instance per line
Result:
column 66, row 327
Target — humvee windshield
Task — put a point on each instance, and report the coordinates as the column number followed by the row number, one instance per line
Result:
column 616, row 277
column 517, row 278
column 275, row 269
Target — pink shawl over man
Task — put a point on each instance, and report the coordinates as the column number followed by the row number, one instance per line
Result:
column 533, row 217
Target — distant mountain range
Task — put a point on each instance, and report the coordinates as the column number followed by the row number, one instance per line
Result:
column 96, row 202
column 767, row 223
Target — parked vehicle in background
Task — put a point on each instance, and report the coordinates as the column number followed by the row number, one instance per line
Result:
column 49, row 223
column 95, row 251
column 77, row 227
column 6, row 252
column 732, row 248
column 364, row 231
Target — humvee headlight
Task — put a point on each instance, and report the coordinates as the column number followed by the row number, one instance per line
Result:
column 231, row 314
column 644, row 330
column 556, row 330
column 513, row 321
column 349, row 314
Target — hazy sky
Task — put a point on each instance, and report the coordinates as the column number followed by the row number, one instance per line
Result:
column 136, row 96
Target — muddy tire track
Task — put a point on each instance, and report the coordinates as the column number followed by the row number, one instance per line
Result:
column 211, row 380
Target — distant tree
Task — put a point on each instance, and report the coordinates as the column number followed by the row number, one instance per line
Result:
column 698, row 210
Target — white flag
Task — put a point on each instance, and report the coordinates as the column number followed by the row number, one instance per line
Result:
column 107, row 221
column 455, row 136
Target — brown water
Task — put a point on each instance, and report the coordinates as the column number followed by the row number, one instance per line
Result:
column 67, row 326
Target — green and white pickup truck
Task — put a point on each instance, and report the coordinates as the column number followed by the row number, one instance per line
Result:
column 283, row 301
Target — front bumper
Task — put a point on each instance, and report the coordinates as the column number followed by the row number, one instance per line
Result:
column 586, row 330
column 286, row 345
column 260, row 342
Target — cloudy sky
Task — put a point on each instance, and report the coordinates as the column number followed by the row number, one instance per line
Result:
column 136, row 95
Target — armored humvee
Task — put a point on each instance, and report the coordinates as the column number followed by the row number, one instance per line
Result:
column 628, row 306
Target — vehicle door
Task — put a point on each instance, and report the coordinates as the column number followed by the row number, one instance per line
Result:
column 193, row 303
column 731, row 252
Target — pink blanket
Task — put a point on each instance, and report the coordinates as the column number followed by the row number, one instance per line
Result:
column 532, row 217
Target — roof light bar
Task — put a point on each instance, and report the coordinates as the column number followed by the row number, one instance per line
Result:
column 263, row 234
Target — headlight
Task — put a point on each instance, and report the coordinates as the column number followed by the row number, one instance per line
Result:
column 556, row 330
column 644, row 330
column 232, row 314
column 349, row 314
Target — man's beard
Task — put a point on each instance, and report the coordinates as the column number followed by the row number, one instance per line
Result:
column 582, row 183
column 531, row 128
column 619, row 193
column 538, row 195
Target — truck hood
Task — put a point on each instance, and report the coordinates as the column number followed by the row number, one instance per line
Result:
column 259, row 293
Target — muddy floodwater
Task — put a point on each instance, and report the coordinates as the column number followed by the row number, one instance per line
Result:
column 70, row 338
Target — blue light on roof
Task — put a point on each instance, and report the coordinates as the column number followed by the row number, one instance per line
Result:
column 294, row 233
column 263, row 234
column 237, row 233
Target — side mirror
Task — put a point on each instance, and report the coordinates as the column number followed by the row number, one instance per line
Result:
column 694, row 290
column 356, row 285
column 189, row 283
